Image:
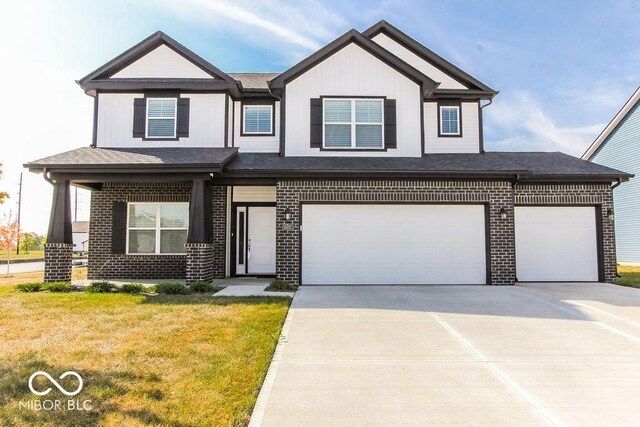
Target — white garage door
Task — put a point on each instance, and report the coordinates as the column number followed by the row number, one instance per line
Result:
column 556, row 244
column 393, row 244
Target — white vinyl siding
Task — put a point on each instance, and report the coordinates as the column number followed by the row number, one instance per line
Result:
column 162, row 63
column 468, row 142
column 257, row 119
column 253, row 143
column 161, row 117
column 157, row 228
column 449, row 120
column 353, row 123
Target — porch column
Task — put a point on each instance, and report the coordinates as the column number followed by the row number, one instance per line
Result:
column 200, row 249
column 57, row 250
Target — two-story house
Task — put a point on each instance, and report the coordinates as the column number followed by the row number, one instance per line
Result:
column 363, row 164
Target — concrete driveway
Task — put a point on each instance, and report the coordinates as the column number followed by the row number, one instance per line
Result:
column 538, row 354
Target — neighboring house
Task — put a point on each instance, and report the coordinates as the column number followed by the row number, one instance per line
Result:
column 80, row 231
column 362, row 164
column 618, row 146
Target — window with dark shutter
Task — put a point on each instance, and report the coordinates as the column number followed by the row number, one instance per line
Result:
column 316, row 123
column 139, row 117
column 390, row 123
column 119, row 228
column 182, row 126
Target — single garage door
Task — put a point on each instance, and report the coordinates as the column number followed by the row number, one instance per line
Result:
column 393, row 244
column 556, row 244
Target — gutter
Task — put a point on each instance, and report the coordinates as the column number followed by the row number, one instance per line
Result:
column 616, row 184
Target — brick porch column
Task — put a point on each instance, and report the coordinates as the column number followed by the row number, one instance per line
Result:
column 200, row 248
column 57, row 250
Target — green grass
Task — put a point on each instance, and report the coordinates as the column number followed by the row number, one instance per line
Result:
column 630, row 276
column 183, row 360
column 22, row 255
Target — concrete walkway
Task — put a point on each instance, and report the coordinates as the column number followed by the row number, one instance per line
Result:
column 552, row 354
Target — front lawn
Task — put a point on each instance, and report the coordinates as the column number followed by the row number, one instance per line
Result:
column 183, row 360
column 630, row 276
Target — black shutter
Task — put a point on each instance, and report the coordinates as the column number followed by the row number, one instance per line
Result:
column 182, row 125
column 390, row 123
column 139, row 117
column 316, row 123
column 119, row 228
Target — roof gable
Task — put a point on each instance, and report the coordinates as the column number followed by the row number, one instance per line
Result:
column 473, row 84
column 352, row 36
column 127, row 68
column 163, row 62
column 613, row 124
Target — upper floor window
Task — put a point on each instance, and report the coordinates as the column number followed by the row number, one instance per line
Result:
column 353, row 123
column 450, row 120
column 161, row 117
column 157, row 228
column 257, row 119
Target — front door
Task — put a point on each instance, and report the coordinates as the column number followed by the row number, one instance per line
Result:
column 255, row 240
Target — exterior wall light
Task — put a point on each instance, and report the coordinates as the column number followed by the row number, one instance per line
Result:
column 610, row 214
column 288, row 216
column 503, row 214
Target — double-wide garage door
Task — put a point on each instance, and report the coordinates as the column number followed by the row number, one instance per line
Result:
column 393, row 244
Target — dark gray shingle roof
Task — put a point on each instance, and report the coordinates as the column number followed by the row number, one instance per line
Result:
column 88, row 157
column 254, row 80
column 539, row 164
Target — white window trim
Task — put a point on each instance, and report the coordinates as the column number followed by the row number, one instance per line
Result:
column 174, row 118
column 244, row 121
column 457, row 108
column 157, row 227
column 352, row 123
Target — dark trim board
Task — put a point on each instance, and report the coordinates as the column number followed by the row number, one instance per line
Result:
column 94, row 134
column 232, row 235
column 487, row 226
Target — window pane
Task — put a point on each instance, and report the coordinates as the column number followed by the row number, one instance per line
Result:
column 337, row 135
column 161, row 127
column 369, row 136
column 142, row 241
column 174, row 216
column 161, row 108
column 449, row 119
column 142, row 215
column 369, row 111
column 336, row 110
column 172, row 241
column 257, row 119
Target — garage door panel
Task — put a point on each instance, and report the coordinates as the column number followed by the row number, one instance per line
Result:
column 556, row 244
column 393, row 244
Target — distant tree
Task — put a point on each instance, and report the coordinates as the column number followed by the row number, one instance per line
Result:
column 3, row 195
column 30, row 241
column 9, row 231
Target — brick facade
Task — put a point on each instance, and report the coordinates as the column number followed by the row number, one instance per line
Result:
column 103, row 264
column 200, row 262
column 496, row 195
column 57, row 262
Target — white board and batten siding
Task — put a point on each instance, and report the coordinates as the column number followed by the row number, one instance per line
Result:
column 206, row 121
column 255, row 143
column 393, row 244
column 352, row 71
column 434, row 73
column 252, row 194
column 556, row 244
column 469, row 142
column 162, row 62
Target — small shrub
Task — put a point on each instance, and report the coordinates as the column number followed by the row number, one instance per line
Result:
column 201, row 286
column 131, row 288
column 58, row 287
column 100, row 287
column 279, row 285
column 29, row 287
column 171, row 288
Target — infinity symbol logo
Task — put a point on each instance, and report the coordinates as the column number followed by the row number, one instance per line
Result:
column 55, row 383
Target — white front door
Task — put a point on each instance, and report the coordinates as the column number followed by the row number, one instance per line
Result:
column 556, row 244
column 256, row 240
column 393, row 244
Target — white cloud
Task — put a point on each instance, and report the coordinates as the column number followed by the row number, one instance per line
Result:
column 519, row 123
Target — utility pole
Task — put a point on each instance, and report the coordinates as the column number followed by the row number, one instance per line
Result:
column 19, row 206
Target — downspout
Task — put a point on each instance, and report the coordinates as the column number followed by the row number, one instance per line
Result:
column 282, row 112
column 616, row 184
column 481, row 118
column 45, row 174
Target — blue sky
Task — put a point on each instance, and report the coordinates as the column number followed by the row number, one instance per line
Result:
column 563, row 69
